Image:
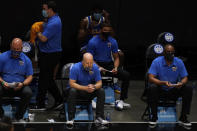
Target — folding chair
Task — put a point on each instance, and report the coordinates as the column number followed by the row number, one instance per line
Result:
column 10, row 106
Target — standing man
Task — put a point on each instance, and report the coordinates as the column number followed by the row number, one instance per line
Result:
column 85, row 82
column 168, row 78
column 50, row 54
column 15, row 75
column 104, row 48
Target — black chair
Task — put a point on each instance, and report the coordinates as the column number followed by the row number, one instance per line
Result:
column 10, row 106
column 152, row 52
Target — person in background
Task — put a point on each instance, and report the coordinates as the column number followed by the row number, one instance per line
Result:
column 50, row 54
column 104, row 49
column 91, row 25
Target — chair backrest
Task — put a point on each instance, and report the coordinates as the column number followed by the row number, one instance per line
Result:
column 64, row 79
column 66, row 70
column 165, row 38
column 152, row 52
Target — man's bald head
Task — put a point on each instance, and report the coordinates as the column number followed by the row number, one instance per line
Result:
column 87, row 60
column 17, row 44
column 16, row 47
column 87, row 56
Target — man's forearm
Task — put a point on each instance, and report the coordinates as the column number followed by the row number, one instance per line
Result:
column 116, row 63
column 41, row 37
column 156, row 81
column 98, row 84
column 78, row 87
column 184, row 80
column 1, row 80
column 28, row 80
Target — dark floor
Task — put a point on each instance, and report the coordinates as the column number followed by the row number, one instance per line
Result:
column 132, row 114
column 128, row 116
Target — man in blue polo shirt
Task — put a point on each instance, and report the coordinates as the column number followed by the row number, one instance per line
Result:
column 103, row 47
column 50, row 54
column 168, row 78
column 15, row 74
column 85, row 82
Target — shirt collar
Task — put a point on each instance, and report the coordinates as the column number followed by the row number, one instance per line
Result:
column 53, row 17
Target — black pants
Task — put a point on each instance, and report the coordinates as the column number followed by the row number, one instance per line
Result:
column 156, row 92
column 122, row 75
column 75, row 94
column 24, row 93
column 47, row 64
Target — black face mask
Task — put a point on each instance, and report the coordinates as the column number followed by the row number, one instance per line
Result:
column 169, row 56
column 106, row 34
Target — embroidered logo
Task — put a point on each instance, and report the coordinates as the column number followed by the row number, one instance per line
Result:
column 91, row 72
column 21, row 63
column 109, row 44
column 174, row 68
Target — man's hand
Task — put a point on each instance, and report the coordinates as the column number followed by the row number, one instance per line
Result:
column 102, row 69
column 167, row 83
column 179, row 85
column 90, row 88
column 115, row 70
column 19, row 86
column 5, row 85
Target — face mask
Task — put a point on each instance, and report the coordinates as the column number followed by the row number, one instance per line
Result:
column 87, row 69
column 97, row 16
column 105, row 34
column 169, row 56
column 44, row 13
column 15, row 53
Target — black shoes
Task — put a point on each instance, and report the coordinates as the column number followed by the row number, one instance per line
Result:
column 101, row 124
column 1, row 112
column 184, row 122
column 153, row 122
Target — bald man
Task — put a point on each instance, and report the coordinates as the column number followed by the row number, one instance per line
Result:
column 85, row 83
column 15, row 75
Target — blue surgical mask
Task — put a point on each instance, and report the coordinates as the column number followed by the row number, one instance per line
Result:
column 44, row 13
column 97, row 16
column 15, row 53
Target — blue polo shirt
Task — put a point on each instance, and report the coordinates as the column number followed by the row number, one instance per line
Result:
column 15, row 70
column 83, row 77
column 53, row 32
column 101, row 50
column 173, row 73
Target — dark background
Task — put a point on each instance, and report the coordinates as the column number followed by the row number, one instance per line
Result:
column 137, row 24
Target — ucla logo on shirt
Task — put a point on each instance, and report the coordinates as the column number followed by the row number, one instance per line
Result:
column 91, row 72
column 109, row 44
column 174, row 68
column 21, row 63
